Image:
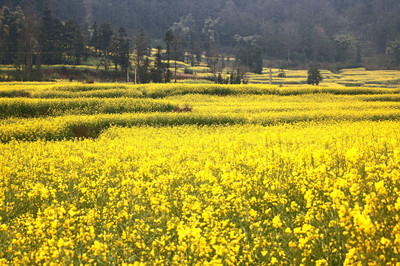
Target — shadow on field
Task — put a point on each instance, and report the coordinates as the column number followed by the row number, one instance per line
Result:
column 84, row 132
column 15, row 94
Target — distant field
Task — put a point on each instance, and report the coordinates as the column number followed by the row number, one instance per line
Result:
column 251, row 174
column 356, row 77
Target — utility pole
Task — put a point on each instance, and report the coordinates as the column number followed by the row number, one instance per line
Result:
column 135, row 77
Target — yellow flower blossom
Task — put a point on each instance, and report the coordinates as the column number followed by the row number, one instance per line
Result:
column 380, row 187
column 276, row 222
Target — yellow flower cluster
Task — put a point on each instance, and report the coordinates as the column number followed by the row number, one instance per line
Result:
column 106, row 90
column 65, row 118
column 308, row 193
column 254, row 175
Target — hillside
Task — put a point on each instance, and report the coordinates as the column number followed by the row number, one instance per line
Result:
column 298, row 32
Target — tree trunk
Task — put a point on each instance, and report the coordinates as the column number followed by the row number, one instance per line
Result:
column 175, row 70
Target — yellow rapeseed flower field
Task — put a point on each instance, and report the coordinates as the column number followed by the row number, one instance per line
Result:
column 251, row 176
column 357, row 77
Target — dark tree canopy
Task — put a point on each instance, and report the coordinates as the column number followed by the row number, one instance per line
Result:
column 11, row 32
column 314, row 76
column 104, row 37
column 119, row 49
column 51, row 38
column 74, row 42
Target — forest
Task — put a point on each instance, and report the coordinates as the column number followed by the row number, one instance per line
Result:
column 284, row 34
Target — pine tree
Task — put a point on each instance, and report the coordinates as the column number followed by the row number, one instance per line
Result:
column 178, row 52
column 94, row 40
column 28, row 49
column 168, row 40
column 51, row 39
column 119, row 49
column 141, row 63
column 158, row 70
column 314, row 77
column 11, row 28
column 219, row 79
column 74, row 42
column 232, row 78
column 143, row 71
column 238, row 77
column 104, row 39
column 257, row 60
